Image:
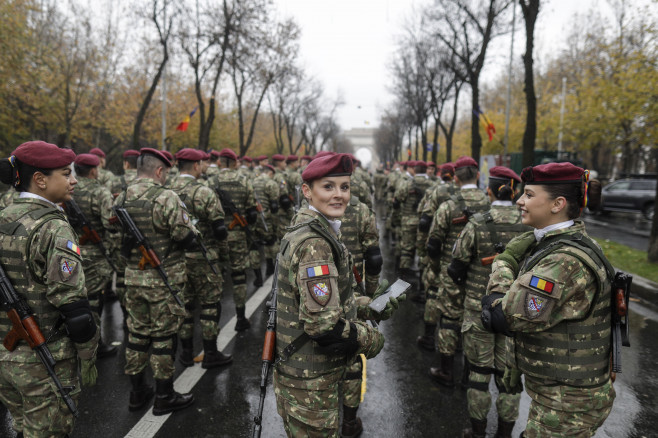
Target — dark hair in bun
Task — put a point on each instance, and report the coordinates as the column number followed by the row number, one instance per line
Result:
column 501, row 189
column 19, row 175
column 574, row 193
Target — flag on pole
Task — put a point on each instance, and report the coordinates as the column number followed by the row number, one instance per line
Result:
column 486, row 123
column 182, row 126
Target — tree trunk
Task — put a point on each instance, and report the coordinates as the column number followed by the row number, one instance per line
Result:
column 652, row 254
column 147, row 101
column 435, row 142
column 476, row 140
column 530, row 11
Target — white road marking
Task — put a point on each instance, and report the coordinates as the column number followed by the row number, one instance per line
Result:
column 150, row 424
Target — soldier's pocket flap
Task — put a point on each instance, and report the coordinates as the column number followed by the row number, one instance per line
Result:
column 320, row 418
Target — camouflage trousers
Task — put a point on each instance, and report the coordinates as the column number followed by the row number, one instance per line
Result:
column 560, row 410
column 97, row 276
column 31, row 397
column 271, row 250
column 204, row 287
column 351, row 384
column 284, row 217
column 309, row 407
column 154, row 319
column 239, row 254
column 486, row 350
column 431, row 281
column 407, row 243
column 254, row 257
column 451, row 306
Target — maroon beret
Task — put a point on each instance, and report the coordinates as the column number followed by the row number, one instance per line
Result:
column 247, row 159
column 228, row 153
column 43, row 155
column 189, row 154
column 466, row 162
column 291, row 158
column 278, row 157
column 502, row 172
column 98, row 152
column 87, row 160
column 206, row 155
column 261, row 157
column 552, row 173
column 329, row 165
column 131, row 153
column 420, row 164
column 323, row 154
column 156, row 153
column 269, row 167
column 214, row 153
column 431, row 164
column 447, row 169
column 306, row 157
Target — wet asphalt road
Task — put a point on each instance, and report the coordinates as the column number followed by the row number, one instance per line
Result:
column 401, row 400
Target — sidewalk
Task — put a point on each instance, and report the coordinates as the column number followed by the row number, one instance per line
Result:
column 644, row 289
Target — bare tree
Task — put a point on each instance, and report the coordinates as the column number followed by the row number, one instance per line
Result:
column 530, row 10
column 158, row 10
column 467, row 27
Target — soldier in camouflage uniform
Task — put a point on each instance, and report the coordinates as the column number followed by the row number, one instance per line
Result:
column 294, row 179
column 304, row 162
column 8, row 197
column 105, row 177
column 154, row 316
column 212, row 168
column 379, row 181
column 360, row 185
column 286, row 210
column 43, row 264
column 550, row 290
column 406, row 175
column 203, row 285
column 449, row 220
column 120, row 183
column 409, row 194
column 95, row 202
column 393, row 215
column 266, row 191
column 434, row 197
column 316, row 308
column 483, row 237
column 237, row 190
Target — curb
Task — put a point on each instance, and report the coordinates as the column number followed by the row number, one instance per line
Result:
column 644, row 289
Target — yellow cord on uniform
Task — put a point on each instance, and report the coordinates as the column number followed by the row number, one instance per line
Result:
column 363, row 375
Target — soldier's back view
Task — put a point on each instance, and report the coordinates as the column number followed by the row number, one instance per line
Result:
column 154, row 315
column 236, row 194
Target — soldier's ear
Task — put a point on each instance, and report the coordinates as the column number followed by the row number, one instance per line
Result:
column 306, row 189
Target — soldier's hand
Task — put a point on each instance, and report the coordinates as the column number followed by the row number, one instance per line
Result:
column 512, row 380
column 391, row 306
column 381, row 289
column 370, row 340
column 516, row 249
column 88, row 372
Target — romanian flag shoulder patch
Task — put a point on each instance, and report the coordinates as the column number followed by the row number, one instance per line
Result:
column 317, row 271
column 541, row 284
column 73, row 247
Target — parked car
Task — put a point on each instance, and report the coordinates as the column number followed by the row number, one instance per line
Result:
column 630, row 195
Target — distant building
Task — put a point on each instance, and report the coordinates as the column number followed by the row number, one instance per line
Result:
column 363, row 138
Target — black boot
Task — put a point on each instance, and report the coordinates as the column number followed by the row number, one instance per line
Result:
column 478, row 429
column 213, row 358
column 444, row 375
column 242, row 322
column 270, row 267
column 427, row 341
column 140, row 394
column 258, row 281
column 105, row 350
column 187, row 354
column 167, row 400
column 504, row 428
column 352, row 426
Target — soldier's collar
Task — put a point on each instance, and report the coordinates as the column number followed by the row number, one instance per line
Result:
column 469, row 186
column 503, row 203
column 41, row 198
column 540, row 233
column 333, row 224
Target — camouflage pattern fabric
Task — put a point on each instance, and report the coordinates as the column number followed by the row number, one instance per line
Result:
column 154, row 317
column 211, row 171
column 241, row 192
column 120, row 183
column 202, row 284
column 568, row 296
column 36, row 408
column 105, row 178
column 379, row 181
column 8, row 197
column 409, row 193
column 482, row 348
column 450, row 300
column 561, row 411
column 285, row 216
column 350, row 385
column 397, row 212
column 54, row 259
column 316, row 292
column 95, row 202
column 267, row 191
column 361, row 189
column 391, row 181
column 294, row 180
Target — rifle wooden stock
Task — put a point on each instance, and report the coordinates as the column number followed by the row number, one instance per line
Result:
column 268, row 346
column 237, row 220
column 148, row 256
column 486, row 261
column 89, row 236
column 27, row 329
column 460, row 220
column 620, row 302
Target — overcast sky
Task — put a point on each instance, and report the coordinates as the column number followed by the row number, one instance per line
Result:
column 348, row 44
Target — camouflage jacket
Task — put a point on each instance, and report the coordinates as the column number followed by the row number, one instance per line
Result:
column 164, row 220
column 238, row 188
column 358, row 229
column 121, row 182
column 105, row 178
column 266, row 191
column 437, row 196
column 95, row 202
column 48, row 276
column 8, row 197
column 204, row 208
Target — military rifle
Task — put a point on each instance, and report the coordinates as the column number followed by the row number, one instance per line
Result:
column 268, row 352
column 89, row 233
column 148, row 253
column 230, row 208
column 462, row 219
column 621, row 291
column 259, row 208
column 25, row 327
column 499, row 247
column 204, row 251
